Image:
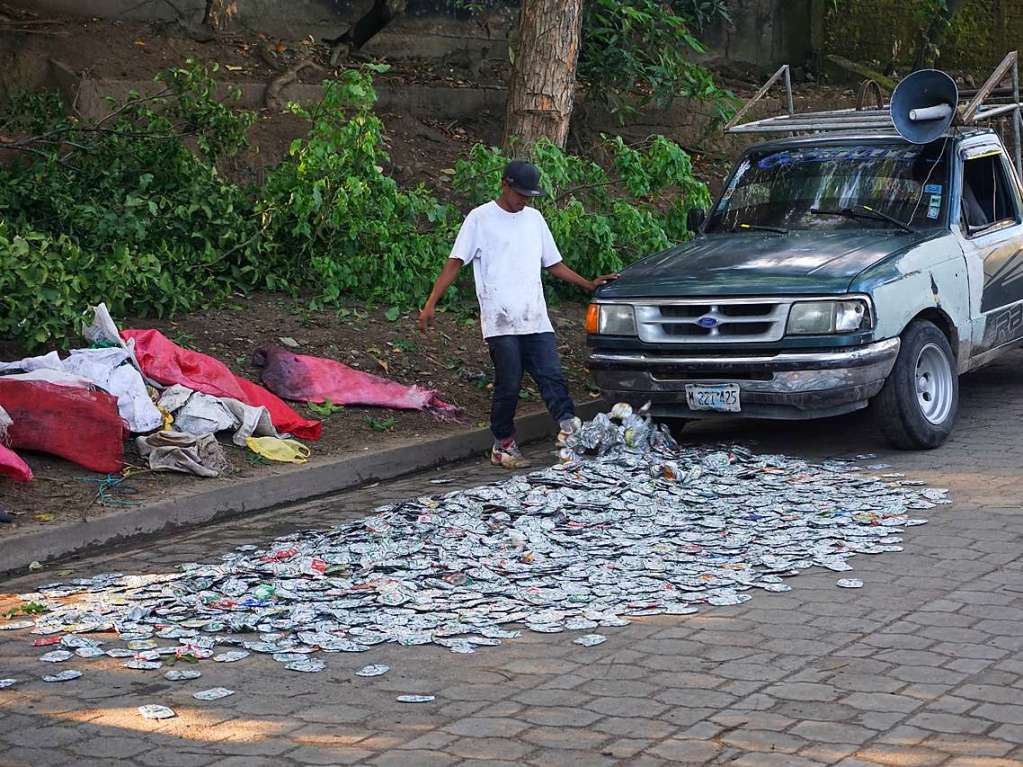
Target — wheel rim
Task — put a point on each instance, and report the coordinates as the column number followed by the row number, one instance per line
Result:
column 934, row 384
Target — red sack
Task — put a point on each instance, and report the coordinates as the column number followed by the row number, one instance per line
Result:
column 314, row 379
column 79, row 425
column 12, row 466
column 168, row 363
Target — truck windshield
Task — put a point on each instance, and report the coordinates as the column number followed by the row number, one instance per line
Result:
column 783, row 188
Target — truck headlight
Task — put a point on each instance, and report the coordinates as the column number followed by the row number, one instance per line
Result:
column 611, row 320
column 815, row 318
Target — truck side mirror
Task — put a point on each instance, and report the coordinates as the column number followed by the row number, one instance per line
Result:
column 695, row 220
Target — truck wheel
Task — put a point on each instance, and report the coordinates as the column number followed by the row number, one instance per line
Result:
column 918, row 405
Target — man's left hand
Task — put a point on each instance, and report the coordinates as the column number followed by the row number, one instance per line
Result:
column 604, row 279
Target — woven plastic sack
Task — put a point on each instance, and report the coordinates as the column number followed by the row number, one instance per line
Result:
column 167, row 363
column 12, row 466
column 79, row 425
column 314, row 379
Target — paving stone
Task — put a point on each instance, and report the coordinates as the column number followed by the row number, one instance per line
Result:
column 879, row 701
column 1000, row 712
column 567, row 758
column 552, row 697
column 626, row 748
column 763, row 740
column 1012, row 733
column 110, row 747
column 489, row 748
column 879, row 720
column 676, row 750
column 828, row 753
column 487, row 727
column 774, row 760
column 160, row 757
column 833, row 732
column 902, row 756
column 564, row 737
column 695, row 698
column 803, row 691
column 20, row 756
column 248, row 761
column 651, row 729
column 51, row 737
column 627, row 707
column 950, row 723
column 982, row 761
column 967, row 745
column 417, row 757
column 558, row 716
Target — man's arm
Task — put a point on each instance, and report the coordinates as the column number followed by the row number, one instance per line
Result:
column 562, row 272
column 444, row 280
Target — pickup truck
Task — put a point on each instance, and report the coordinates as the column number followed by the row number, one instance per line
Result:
column 835, row 271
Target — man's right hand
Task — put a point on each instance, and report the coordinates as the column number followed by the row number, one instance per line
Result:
column 426, row 319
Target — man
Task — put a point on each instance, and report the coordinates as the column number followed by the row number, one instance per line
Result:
column 509, row 244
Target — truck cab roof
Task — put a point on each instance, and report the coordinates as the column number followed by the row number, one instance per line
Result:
column 832, row 138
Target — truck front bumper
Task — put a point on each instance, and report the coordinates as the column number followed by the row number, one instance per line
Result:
column 786, row 385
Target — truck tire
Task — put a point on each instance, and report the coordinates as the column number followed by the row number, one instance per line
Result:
column 918, row 405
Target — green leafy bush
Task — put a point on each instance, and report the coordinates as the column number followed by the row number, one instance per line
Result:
column 348, row 229
column 123, row 211
column 132, row 211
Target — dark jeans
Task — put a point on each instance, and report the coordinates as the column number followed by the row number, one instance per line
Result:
column 537, row 355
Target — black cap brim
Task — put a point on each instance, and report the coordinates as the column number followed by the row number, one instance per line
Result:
column 527, row 192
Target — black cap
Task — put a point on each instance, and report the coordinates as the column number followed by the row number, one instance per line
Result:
column 524, row 178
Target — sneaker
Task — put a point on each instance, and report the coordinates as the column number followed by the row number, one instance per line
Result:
column 508, row 457
column 568, row 427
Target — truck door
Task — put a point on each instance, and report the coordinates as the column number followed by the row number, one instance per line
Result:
column 991, row 232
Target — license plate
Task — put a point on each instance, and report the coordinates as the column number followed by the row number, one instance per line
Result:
column 722, row 398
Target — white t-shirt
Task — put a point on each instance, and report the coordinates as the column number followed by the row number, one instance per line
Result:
column 508, row 251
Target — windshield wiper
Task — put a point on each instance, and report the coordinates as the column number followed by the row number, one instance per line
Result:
column 758, row 228
column 862, row 211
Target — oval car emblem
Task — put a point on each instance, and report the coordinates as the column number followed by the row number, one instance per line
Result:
column 707, row 322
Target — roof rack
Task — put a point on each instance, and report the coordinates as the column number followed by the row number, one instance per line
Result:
column 978, row 108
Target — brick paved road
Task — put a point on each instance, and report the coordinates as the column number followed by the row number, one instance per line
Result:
column 923, row 666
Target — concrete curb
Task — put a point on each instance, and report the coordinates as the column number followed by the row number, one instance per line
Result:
column 262, row 494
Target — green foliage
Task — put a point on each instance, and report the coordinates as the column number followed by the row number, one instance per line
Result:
column 122, row 211
column 639, row 51
column 344, row 224
column 602, row 219
column 326, row 409
column 381, row 424
column 27, row 608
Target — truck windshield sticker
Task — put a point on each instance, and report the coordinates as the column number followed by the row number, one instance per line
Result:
column 934, row 209
column 815, row 155
column 933, row 189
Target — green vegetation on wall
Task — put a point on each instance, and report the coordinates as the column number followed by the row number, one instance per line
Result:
column 132, row 211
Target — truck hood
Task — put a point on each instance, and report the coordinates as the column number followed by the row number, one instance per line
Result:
column 759, row 263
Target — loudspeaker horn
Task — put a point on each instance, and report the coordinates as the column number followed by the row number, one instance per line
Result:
column 924, row 105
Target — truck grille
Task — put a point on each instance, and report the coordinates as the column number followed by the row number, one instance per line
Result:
column 703, row 321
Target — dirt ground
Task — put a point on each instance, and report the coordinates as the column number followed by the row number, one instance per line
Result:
column 453, row 360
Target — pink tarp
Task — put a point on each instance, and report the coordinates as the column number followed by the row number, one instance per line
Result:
column 167, row 363
column 12, row 466
column 314, row 379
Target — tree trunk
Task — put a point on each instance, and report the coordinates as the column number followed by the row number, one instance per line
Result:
column 542, row 87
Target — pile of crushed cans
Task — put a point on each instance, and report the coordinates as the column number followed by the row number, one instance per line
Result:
column 629, row 525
